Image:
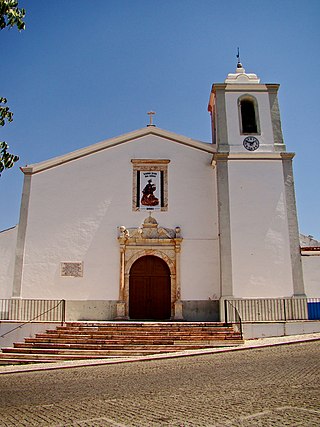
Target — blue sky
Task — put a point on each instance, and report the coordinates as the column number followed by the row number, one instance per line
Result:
column 87, row 70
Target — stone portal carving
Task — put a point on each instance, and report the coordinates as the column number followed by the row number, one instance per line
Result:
column 149, row 239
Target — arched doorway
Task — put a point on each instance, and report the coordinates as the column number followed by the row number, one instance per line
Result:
column 150, row 289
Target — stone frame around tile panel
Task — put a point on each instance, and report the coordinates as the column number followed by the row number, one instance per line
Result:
column 160, row 165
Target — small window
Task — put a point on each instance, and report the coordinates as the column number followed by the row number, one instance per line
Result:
column 248, row 116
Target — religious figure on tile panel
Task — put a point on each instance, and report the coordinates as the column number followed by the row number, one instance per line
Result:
column 148, row 198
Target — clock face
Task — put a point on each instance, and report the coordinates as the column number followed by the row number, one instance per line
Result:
column 251, row 143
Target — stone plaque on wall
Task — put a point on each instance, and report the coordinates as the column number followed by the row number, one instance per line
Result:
column 71, row 269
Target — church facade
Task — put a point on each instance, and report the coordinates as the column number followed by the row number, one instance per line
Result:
column 155, row 225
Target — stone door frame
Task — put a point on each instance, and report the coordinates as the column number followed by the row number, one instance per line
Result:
column 149, row 239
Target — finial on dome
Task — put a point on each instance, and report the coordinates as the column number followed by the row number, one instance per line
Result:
column 239, row 65
column 240, row 75
column 240, row 68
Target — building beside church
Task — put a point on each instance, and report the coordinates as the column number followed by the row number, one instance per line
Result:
column 155, row 225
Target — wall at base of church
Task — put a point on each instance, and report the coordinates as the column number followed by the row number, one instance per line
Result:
column 91, row 310
column 201, row 311
column 100, row 310
column 253, row 330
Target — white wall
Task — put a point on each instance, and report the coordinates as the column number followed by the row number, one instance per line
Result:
column 311, row 275
column 8, row 240
column 75, row 210
column 261, row 264
column 200, row 270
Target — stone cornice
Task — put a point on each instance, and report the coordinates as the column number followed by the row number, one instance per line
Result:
column 218, row 157
column 310, row 250
column 239, row 87
column 150, row 161
column 287, row 155
column 246, row 88
column 315, row 251
column 95, row 148
column 218, row 86
column 273, row 87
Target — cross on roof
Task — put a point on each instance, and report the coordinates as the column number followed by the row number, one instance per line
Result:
column 151, row 114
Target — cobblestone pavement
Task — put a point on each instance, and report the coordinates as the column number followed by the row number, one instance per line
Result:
column 272, row 386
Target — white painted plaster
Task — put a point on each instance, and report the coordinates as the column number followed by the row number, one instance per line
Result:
column 8, row 239
column 75, row 210
column 200, row 270
column 261, row 260
column 235, row 138
column 311, row 275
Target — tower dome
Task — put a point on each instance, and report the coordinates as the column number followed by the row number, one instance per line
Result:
column 240, row 76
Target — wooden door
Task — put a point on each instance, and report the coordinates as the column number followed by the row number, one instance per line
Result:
column 150, row 289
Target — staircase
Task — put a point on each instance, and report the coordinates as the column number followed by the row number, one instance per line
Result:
column 88, row 340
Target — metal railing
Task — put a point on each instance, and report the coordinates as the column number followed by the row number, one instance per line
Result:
column 273, row 309
column 27, row 310
column 231, row 310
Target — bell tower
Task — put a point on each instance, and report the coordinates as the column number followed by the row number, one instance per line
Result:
column 258, row 228
column 245, row 115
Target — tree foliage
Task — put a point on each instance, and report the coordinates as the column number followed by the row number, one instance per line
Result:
column 10, row 16
column 7, row 160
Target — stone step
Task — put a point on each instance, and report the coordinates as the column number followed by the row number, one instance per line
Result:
column 95, row 349
column 88, row 340
column 142, row 326
column 142, row 334
column 116, row 337
column 68, row 344
column 119, row 343
column 25, row 347
column 138, row 332
column 40, row 357
column 18, row 361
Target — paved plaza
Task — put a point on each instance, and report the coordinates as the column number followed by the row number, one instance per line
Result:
column 271, row 386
